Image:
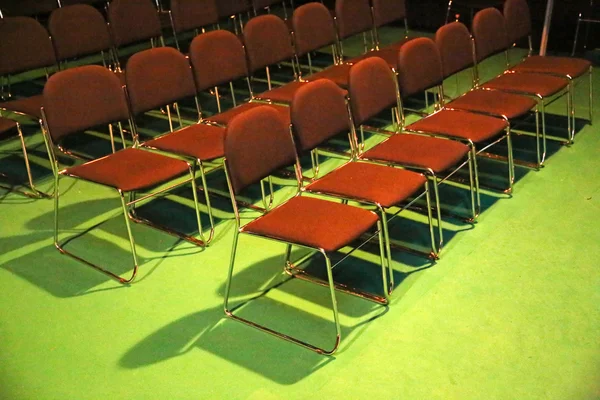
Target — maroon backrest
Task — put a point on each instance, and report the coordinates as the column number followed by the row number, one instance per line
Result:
column 372, row 89
column 192, row 14
column 217, row 57
column 156, row 77
column 388, row 11
column 83, row 97
column 268, row 41
column 313, row 28
column 258, row 4
column 489, row 32
column 24, row 45
column 318, row 113
column 133, row 21
column 232, row 7
column 454, row 43
column 257, row 143
column 15, row 8
column 518, row 20
column 78, row 30
column 419, row 66
column 353, row 17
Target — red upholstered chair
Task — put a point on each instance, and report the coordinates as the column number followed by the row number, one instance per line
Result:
column 471, row 6
column 259, row 5
column 218, row 58
column 455, row 45
column 373, row 89
column 320, row 112
column 489, row 32
column 26, row 8
column 25, row 46
column 157, row 78
column 354, row 17
column 234, row 9
column 258, row 143
column 94, row 96
column 518, row 26
column 192, row 15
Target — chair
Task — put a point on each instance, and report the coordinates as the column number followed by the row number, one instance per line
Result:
column 518, row 26
column 157, row 78
column 319, row 112
column 192, row 15
column 455, row 46
column 25, row 46
column 234, row 9
column 589, row 15
column 258, row 5
column 354, row 17
column 258, row 143
column 472, row 5
column 26, row 8
column 79, row 30
column 93, row 96
column 372, row 90
column 131, row 22
column 218, row 58
column 489, row 33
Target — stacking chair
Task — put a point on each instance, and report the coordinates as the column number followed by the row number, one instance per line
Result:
column 455, row 45
column 192, row 15
column 132, row 22
column 258, row 5
column 234, row 9
column 589, row 15
column 489, row 32
column 25, row 46
column 471, row 6
column 218, row 58
column 157, row 78
column 372, row 90
column 80, row 98
column 258, row 143
column 354, row 17
column 320, row 112
column 518, row 26
column 27, row 8
column 79, row 30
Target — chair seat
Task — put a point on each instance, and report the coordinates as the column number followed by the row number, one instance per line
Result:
column 461, row 124
column 389, row 55
column 563, row 66
column 494, row 102
column 527, row 83
column 224, row 117
column 282, row 94
column 336, row 73
column 6, row 125
column 368, row 182
column 314, row 223
column 27, row 105
column 201, row 141
column 419, row 151
column 129, row 169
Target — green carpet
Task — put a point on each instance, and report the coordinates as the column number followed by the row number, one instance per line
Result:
column 510, row 311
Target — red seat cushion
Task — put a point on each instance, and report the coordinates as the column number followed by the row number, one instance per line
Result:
column 564, row 66
column 129, row 169
column 461, row 124
column 373, row 183
column 27, row 105
column 419, row 151
column 389, row 54
column 494, row 102
column 282, row 94
column 314, row 223
column 224, row 117
column 531, row 84
column 201, row 141
column 336, row 73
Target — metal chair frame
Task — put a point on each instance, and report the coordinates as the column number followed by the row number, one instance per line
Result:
column 582, row 17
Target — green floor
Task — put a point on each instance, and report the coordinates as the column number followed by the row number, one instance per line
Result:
column 510, row 311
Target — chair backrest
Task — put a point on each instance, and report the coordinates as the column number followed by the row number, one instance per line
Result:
column 489, row 32
column 12, row 8
column 388, row 11
column 313, row 28
column 157, row 77
column 353, row 17
column 217, row 57
column 419, row 66
column 78, row 30
column 455, row 46
column 518, row 20
column 81, row 98
column 133, row 21
column 193, row 14
column 268, row 41
column 227, row 8
column 372, row 88
column 257, row 143
column 318, row 113
column 258, row 4
column 24, row 45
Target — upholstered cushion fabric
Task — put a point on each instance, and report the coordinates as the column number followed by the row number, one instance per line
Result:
column 25, row 45
column 192, row 14
column 534, row 84
column 201, row 141
column 268, row 41
column 563, row 66
column 454, row 43
column 419, row 151
column 352, row 17
column 281, row 94
column 313, row 28
column 518, row 19
column 373, row 183
column 489, row 31
column 494, row 102
column 419, row 66
column 314, row 223
column 388, row 54
column 336, row 73
column 132, row 21
column 130, row 169
column 225, row 117
column 388, row 11
column 26, row 105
